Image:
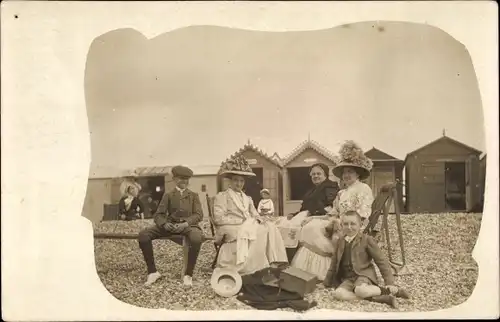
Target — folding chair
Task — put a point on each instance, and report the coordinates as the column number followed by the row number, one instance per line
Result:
column 213, row 228
column 388, row 195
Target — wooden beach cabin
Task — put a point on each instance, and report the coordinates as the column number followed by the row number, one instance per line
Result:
column 442, row 176
column 103, row 191
column 482, row 182
column 386, row 169
column 296, row 166
column 156, row 180
column 268, row 175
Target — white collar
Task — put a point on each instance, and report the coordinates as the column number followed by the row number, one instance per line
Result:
column 350, row 239
column 180, row 190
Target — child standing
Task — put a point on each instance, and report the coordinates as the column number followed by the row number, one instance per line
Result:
column 352, row 271
column 266, row 205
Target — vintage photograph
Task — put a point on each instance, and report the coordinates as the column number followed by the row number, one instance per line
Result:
column 341, row 168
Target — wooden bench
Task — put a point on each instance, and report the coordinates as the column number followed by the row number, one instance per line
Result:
column 388, row 195
column 176, row 238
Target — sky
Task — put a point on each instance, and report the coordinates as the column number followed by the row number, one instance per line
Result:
column 195, row 95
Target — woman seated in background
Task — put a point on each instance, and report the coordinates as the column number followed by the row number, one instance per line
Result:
column 315, row 204
column 250, row 242
column 130, row 207
column 320, row 234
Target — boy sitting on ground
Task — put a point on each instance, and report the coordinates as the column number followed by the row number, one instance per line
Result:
column 352, row 271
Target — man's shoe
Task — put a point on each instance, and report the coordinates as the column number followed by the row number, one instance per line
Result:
column 153, row 277
column 188, row 280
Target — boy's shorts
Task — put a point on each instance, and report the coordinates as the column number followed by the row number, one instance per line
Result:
column 350, row 283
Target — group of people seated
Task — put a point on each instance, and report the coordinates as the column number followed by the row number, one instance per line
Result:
column 323, row 238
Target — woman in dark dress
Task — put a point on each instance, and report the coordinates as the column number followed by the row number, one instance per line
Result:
column 317, row 202
column 130, row 207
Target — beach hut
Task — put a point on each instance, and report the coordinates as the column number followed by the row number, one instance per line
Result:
column 296, row 166
column 442, row 176
column 482, row 182
column 268, row 175
column 103, row 191
column 156, row 180
column 386, row 169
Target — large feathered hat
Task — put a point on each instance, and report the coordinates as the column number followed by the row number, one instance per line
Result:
column 236, row 165
column 351, row 155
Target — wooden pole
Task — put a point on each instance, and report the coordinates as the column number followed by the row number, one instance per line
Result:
column 400, row 229
column 386, row 227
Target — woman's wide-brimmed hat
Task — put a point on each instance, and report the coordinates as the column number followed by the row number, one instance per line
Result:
column 237, row 165
column 352, row 156
column 226, row 282
column 127, row 183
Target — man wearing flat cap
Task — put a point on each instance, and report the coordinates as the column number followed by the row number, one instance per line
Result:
column 179, row 212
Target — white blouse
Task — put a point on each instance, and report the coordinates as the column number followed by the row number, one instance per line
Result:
column 233, row 208
column 357, row 197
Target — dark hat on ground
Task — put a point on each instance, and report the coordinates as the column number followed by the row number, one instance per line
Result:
column 226, row 282
column 182, row 172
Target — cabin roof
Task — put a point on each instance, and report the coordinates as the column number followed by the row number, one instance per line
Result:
column 152, row 171
column 446, row 139
column 198, row 170
column 106, row 172
column 251, row 147
column 377, row 155
column 310, row 144
column 277, row 157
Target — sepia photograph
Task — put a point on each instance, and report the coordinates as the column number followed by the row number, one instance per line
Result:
column 249, row 160
column 341, row 168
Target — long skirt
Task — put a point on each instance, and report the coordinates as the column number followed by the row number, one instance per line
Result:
column 316, row 249
column 267, row 248
column 290, row 229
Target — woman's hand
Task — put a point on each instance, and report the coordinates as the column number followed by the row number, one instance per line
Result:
column 306, row 221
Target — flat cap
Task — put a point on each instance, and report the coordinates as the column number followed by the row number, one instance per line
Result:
column 182, row 172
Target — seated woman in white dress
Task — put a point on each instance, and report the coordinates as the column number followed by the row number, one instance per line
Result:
column 251, row 243
column 317, row 243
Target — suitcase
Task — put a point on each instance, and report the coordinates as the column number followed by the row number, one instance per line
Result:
column 296, row 280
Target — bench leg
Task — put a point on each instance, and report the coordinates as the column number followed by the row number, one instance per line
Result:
column 185, row 251
column 217, row 249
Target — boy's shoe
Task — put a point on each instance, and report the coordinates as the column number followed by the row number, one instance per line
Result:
column 385, row 299
column 188, row 280
column 402, row 294
column 153, row 277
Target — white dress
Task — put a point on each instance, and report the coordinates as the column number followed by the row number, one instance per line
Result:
column 266, row 204
column 249, row 246
column 316, row 249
